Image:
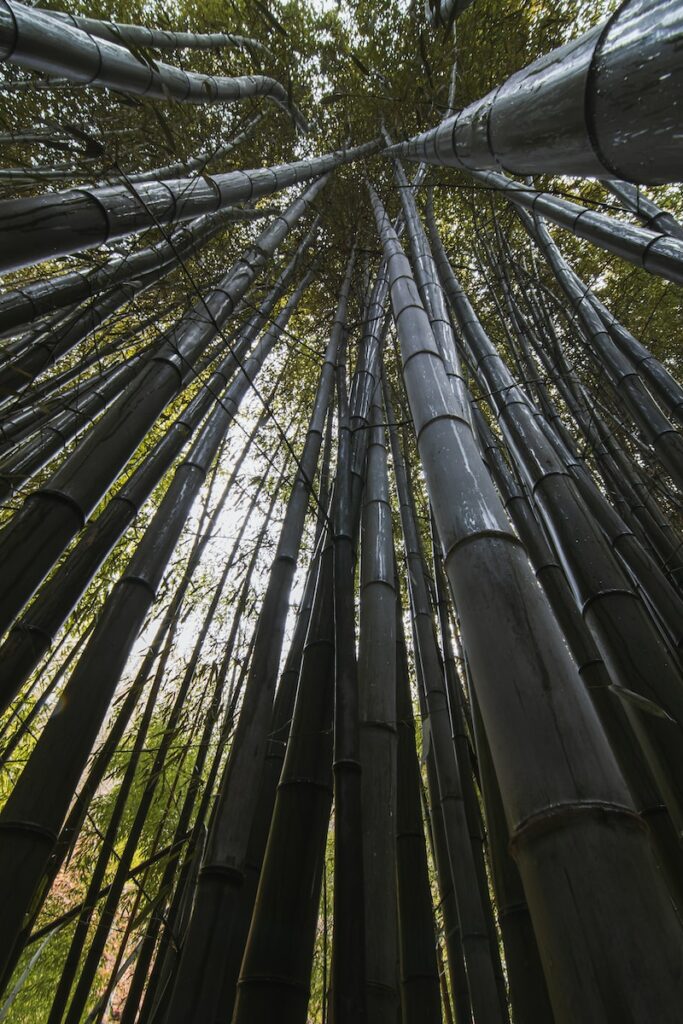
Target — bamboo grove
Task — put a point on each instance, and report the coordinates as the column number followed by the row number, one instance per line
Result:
column 341, row 468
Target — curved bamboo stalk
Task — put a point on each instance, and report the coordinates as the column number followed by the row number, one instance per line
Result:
column 160, row 39
column 603, row 105
column 33, row 815
column 35, row 40
column 61, row 223
column 71, row 494
column 566, row 802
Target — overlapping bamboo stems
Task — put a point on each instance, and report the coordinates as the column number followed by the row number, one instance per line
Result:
column 158, row 988
column 35, row 452
column 283, row 709
column 378, row 735
column 40, row 396
column 427, row 280
column 278, row 956
column 31, row 635
column 159, row 648
column 662, row 598
column 602, row 105
column 99, row 938
column 35, row 40
column 176, row 766
column 657, row 253
column 34, row 813
column 420, row 995
column 201, row 788
column 51, row 517
column 348, row 979
column 646, row 573
column 213, row 937
column 647, row 212
column 463, row 739
column 59, row 338
column 528, row 990
column 291, row 877
column 455, row 963
column 35, row 417
column 584, row 650
column 659, row 593
column 630, row 492
column 61, row 223
column 665, row 440
column 478, row 953
column 663, row 386
column 24, row 305
column 282, row 712
column 633, row 650
column 572, row 824
column 160, row 39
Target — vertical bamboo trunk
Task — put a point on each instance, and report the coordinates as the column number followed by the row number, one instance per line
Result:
column 349, row 994
column 592, row 886
column 378, row 738
column 473, row 932
column 420, row 996
column 528, row 989
column 276, row 969
column 460, row 718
